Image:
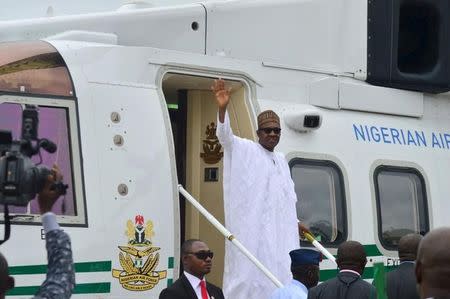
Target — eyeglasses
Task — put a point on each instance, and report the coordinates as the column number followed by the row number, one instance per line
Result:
column 269, row 130
column 203, row 255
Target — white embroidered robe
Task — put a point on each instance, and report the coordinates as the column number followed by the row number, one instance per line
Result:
column 259, row 204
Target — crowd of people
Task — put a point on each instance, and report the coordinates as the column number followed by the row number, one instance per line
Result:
column 424, row 272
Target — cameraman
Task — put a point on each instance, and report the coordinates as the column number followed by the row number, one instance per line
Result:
column 60, row 279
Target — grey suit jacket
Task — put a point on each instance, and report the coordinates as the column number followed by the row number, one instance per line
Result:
column 60, row 279
column 401, row 282
column 345, row 286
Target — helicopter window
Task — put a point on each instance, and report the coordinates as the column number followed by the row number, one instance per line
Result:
column 54, row 125
column 321, row 199
column 401, row 204
column 33, row 67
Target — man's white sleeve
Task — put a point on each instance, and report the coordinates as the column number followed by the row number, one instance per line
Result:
column 224, row 132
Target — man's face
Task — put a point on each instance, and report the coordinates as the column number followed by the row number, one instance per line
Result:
column 269, row 135
column 199, row 261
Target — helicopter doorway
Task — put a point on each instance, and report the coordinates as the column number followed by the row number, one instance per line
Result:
column 199, row 155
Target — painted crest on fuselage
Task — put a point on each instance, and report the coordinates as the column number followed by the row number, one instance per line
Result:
column 139, row 258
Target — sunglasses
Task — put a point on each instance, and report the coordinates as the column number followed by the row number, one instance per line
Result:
column 269, row 130
column 203, row 255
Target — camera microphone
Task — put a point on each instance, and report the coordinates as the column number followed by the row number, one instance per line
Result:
column 48, row 145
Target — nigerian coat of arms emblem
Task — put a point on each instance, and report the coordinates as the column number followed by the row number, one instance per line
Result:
column 139, row 258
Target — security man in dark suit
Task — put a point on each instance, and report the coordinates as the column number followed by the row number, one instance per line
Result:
column 433, row 265
column 401, row 282
column 348, row 284
column 197, row 262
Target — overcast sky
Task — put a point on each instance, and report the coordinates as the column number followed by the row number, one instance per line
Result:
column 24, row 9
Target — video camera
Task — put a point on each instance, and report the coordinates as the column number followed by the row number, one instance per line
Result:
column 20, row 178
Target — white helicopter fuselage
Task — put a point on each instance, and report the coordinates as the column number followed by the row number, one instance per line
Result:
column 139, row 116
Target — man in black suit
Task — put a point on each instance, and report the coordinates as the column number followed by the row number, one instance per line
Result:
column 348, row 284
column 197, row 262
column 433, row 264
column 401, row 282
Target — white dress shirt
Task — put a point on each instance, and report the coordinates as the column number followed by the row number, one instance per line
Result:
column 195, row 283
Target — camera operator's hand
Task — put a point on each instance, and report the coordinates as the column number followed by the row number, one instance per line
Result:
column 49, row 195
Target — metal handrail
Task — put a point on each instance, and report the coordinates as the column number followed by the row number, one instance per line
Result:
column 228, row 235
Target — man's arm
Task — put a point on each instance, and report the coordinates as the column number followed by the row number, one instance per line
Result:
column 60, row 279
column 222, row 94
column 163, row 294
column 222, row 97
column 171, row 294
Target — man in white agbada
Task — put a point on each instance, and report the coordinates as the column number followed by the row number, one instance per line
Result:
column 259, row 204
